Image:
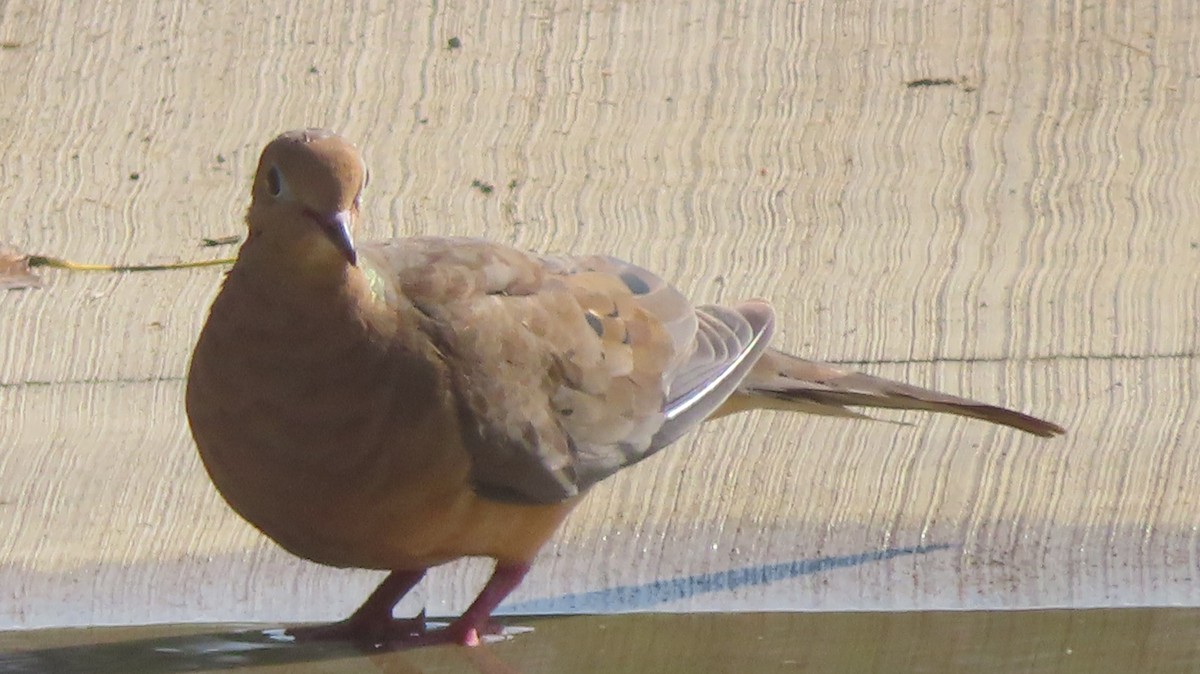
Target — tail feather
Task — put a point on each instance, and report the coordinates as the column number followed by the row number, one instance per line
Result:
column 785, row 382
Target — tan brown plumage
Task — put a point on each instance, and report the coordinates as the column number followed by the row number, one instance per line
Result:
column 400, row 404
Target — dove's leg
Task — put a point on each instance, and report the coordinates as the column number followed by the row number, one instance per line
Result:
column 476, row 620
column 372, row 624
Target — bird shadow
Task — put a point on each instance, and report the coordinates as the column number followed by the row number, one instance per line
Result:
column 644, row 596
column 89, row 650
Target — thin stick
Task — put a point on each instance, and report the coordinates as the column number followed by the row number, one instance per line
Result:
column 59, row 263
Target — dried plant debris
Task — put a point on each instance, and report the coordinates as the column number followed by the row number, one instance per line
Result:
column 15, row 270
column 931, row 82
column 924, row 82
column 220, row 241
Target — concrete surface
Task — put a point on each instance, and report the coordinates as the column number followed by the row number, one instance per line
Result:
column 1027, row 233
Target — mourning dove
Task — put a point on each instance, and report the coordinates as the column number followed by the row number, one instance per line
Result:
column 400, row 404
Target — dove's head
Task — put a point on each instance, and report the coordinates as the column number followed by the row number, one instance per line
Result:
column 305, row 198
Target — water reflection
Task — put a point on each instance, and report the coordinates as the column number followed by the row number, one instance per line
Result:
column 226, row 650
column 984, row 642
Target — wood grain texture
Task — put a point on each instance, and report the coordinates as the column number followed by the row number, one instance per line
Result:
column 1025, row 235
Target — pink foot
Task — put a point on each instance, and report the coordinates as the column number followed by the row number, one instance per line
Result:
column 372, row 625
column 457, row 633
column 374, row 633
column 476, row 621
column 396, row 634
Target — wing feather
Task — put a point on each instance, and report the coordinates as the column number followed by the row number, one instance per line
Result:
column 566, row 369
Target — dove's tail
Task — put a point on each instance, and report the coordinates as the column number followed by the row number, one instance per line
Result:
column 783, row 382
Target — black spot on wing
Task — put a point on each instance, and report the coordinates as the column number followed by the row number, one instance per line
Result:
column 635, row 283
column 595, row 323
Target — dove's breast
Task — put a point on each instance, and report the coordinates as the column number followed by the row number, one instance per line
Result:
column 341, row 443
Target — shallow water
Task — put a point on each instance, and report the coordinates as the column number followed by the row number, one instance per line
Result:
column 1099, row 640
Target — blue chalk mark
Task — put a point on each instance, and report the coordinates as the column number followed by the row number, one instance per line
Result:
column 646, row 595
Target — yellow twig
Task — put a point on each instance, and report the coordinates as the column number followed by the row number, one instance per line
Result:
column 59, row 263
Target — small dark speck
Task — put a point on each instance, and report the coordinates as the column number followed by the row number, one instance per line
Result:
column 485, row 188
column 566, row 413
column 312, row 70
column 11, row 45
column 423, row 120
column 1196, row 245
column 931, row 82
column 453, row 43
column 220, row 159
column 135, row 176
column 512, row 184
column 720, row 280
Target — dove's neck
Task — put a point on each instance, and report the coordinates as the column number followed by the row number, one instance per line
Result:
column 288, row 273
column 295, row 302
column 272, row 336
column 295, row 257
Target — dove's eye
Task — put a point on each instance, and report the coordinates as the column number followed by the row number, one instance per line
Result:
column 274, row 182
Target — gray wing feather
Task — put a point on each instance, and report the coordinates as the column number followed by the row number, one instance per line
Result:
column 728, row 344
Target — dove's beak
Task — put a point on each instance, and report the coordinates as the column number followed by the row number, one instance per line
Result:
column 337, row 228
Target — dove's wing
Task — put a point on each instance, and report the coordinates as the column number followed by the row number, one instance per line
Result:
column 565, row 369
